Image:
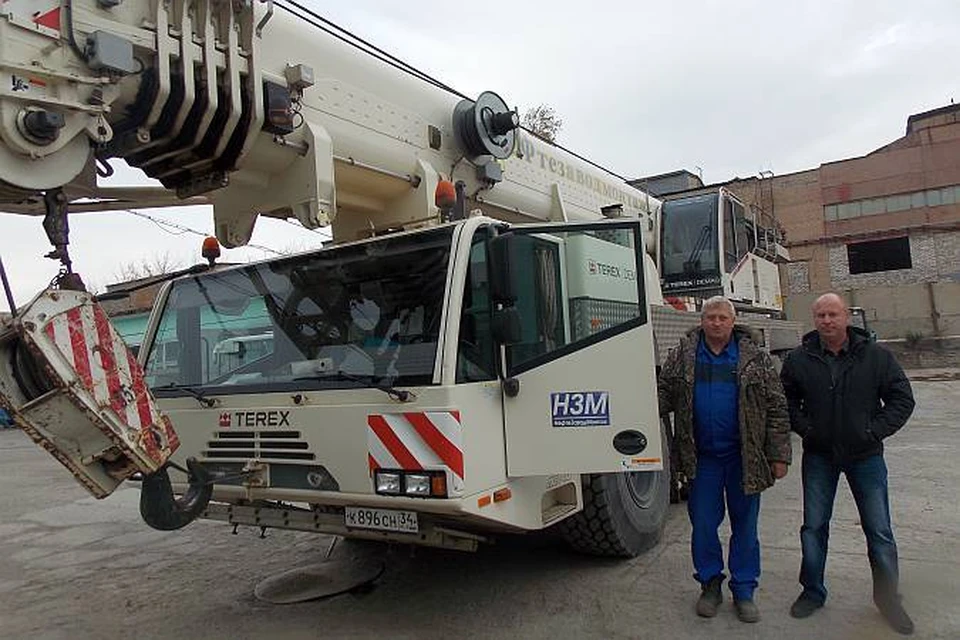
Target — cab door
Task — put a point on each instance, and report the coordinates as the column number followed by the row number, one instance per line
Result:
column 580, row 382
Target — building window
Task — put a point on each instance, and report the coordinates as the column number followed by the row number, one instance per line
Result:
column 949, row 195
column 879, row 255
column 848, row 210
column 897, row 203
column 892, row 204
column 871, row 206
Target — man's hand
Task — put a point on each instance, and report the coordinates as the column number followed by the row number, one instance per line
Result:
column 778, row 469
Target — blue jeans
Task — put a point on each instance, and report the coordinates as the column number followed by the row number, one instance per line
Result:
column 868, row 482
column 715, row 477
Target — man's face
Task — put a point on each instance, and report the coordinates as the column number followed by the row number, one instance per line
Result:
column 832, row 318
column 717, row 323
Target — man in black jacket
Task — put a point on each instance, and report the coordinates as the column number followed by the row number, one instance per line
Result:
column 846, row 394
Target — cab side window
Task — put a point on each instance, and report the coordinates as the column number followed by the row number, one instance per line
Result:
column 476, row 351
column 730, row 256
column 572, row 287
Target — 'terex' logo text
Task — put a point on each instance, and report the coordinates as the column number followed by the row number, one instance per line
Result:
column 272, row 418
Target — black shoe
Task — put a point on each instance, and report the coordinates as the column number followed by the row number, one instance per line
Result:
column 893, row 611
column 710, row 597
column 804, row 606
column 747, row 610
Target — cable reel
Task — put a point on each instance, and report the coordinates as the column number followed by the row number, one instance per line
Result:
column 486, row 126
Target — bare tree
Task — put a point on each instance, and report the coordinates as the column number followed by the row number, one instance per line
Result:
column 156, row 265
column 543, row 121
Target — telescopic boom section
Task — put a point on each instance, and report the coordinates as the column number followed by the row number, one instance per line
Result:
column 263, row 108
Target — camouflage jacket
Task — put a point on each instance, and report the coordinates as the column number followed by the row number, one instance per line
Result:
column 764, row 421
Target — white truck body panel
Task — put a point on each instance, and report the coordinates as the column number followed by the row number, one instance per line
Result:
column 568, row 426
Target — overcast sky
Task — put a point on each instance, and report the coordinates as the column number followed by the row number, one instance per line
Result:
column 727, row 88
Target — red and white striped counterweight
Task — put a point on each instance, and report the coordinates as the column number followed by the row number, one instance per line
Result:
column 68, row 380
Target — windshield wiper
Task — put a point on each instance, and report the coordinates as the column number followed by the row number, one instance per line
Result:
column 400, row 395
column 192, row 391
column 692, row 263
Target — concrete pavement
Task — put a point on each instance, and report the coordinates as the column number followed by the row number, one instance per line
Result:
column 73, row 567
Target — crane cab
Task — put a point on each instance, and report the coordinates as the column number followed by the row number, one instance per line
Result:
column 712, row 244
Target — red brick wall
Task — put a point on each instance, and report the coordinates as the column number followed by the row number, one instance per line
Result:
column 927, row 158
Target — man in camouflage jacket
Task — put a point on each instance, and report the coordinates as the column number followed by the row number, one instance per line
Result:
column 732, row 436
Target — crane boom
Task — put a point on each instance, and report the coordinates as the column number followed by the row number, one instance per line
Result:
column 266, row 109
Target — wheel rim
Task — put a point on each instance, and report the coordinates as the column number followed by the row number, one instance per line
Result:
column 643, row 487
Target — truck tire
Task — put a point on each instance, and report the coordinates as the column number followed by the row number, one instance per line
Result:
column 623, row 513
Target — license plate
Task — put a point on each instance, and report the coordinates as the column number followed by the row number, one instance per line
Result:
column 381, row 519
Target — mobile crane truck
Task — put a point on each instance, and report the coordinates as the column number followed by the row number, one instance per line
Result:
column 476, row 353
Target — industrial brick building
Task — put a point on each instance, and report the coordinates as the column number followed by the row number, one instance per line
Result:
column 884, row 228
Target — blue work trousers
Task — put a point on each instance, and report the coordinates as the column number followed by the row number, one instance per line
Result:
column 718, row 478
column 868, row 482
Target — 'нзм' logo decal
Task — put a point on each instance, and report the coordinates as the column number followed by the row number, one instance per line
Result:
column 580, row 408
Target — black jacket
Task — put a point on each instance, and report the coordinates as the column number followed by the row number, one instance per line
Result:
column 847, row 416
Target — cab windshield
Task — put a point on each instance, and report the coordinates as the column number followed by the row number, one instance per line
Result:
column 363, row 315
column 688, row 244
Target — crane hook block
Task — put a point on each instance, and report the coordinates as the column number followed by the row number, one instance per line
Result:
column 69, row 381
column 161, row 510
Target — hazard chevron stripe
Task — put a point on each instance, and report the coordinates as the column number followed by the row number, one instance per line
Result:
column 139, row 389
column 448, row 452
column 107, row 369
column 416, row 440
column 393, row 443
column 81, row 360
column 108, row 363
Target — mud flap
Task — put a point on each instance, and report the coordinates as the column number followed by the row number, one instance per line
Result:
column 161, row 510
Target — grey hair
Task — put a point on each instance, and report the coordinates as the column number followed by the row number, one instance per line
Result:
column 718, row 301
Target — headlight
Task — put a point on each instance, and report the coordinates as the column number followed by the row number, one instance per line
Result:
column 388, row 482
column 413, row 484
column 417, row 484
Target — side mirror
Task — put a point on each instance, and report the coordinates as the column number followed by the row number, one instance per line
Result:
column 501, row 280
column 506, row 326
column 506, row 319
